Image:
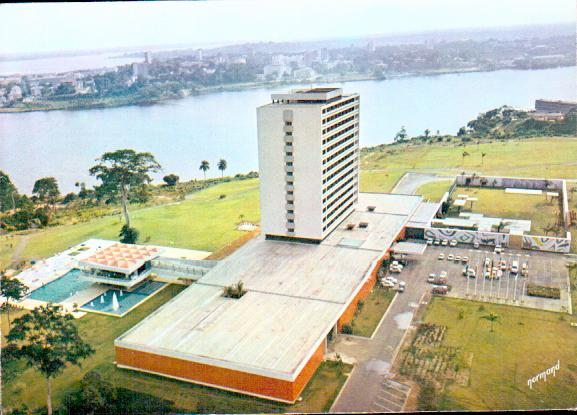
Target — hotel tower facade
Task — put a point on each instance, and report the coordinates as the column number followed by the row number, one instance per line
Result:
column 308, row 143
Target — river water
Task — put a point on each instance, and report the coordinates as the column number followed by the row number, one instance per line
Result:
column 181, row 133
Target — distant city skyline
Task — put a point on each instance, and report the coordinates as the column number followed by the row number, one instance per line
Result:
column 86, row 26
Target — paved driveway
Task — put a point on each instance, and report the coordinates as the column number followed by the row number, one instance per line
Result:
column 369, row 383
column 410, row 182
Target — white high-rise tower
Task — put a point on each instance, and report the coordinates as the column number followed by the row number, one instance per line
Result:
column 308, row 161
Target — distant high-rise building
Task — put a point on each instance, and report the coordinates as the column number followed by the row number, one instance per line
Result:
column 199, row 55
column 371, row 46
column 147, row 58
column 308, row 161
column 324, row 55
column 139, row 70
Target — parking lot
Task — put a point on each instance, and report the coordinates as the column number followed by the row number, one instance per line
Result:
column 544, row 268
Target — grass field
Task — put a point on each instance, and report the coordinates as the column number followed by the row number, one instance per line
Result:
column 203, row 222
column 434, row 191
column 374, row 307
column 524, row 343
column 497, row 203
column 100, row 331
column 538, row 157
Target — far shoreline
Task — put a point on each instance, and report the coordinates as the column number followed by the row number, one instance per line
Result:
column 102, row 103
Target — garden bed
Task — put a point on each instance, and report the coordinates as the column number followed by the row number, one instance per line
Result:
column 371, row 310
column 543, row 291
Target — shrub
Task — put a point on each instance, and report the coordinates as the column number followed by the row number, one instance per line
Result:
column 234, row 291
column 347, row 329
column 128, row 235
column 535, row 290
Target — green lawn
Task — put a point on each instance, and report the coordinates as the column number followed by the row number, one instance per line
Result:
column 524, row 343
column 549, row 157
column 434, row 191
column 497, row 203
column 370, row 314
column 203, row 222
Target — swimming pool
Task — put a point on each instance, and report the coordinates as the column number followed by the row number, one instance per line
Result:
column 126, row 300
column 62, row 288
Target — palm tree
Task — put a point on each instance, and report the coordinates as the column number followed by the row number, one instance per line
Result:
column 492, row 317
column 465, row 154
column 483, row 157
column 222, row 165
column 204, row 166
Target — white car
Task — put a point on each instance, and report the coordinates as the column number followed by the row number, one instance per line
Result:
column 465, row 259
column 453, row 242
column 458, row 258
column 437, row 242
column 451, row 257
column 444, row 242
column 387, row 283
column 476, row 245
column 471, row 273
column 391, row 279
column 441, row 256
column 402, row 286
column 431, row 277
column 429, row 242
column 498, row 249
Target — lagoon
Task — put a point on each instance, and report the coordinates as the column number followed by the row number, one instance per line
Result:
column 181, row 133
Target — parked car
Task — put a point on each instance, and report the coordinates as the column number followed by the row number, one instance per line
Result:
column 451, row 257
column 431, row 277
column 402, row 286
column 430, row 242
column 458, row 258
column 437, row 242
column 487, row 262
column 503, row 265
column 444, row 242
column 453, row 242
column 465, row 260
column 515, row 267
column 471, row 273
column 387, row 283
column 476, row 245
column 498, row 249
column 441, row 256
column 525, row 269
column 392, row 279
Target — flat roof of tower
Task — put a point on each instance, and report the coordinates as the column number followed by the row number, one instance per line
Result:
column 310, row 95
column 296, row 292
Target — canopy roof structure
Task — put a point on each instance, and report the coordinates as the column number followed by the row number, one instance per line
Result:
column 409, row 248
column 123, row 258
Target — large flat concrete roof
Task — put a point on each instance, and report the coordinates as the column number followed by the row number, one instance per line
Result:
column 296, row 294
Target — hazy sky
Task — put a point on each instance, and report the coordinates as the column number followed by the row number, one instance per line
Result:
column 72, row 26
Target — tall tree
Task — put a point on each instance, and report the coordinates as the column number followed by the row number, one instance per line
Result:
column 427, row 132
column 11, row 289
column 124, row 172
column 222, row 165
column 465, row 154
column 48, row 340
column 204, row 166
column 46, row 189
column 483, row 157
column 8, row 193
column 401, row 135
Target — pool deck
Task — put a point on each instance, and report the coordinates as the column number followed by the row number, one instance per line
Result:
column 47, row 270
